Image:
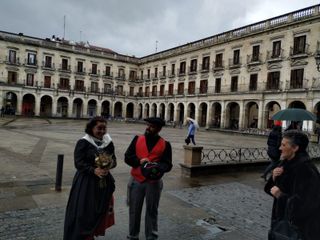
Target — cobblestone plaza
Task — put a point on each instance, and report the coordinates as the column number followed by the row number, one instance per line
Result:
column 224, row 206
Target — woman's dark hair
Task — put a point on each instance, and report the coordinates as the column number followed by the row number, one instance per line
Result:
column 297, row 138
column 92, row 123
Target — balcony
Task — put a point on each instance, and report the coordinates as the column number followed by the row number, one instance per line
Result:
column 12, row 61
column 233, row 63
column 275, row 56
column 48, row 66
column 192, row 70
column 30, row 63
column 218, row 66
column 182, row 72
column 121, row 77
column 108, row 75
column 299, row 52
column 79, row 71
column 254, row 59
column 63, row 68
column 204, row 68
column 94, row 73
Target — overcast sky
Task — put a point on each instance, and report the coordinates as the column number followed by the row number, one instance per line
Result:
column 133, row 27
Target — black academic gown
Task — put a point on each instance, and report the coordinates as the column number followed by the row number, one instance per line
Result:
column 88, row 203
column 300, row 187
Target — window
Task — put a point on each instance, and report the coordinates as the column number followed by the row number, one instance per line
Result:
column 140, row 92
column 154, row 90
column 94, row 69
column 141, row 73
column 121, row 73
column 191, row 88
column 296, row 80
column 30, row 77
column 120, row 89
column 276, row 49
column 273, row 80
column 31, row 59
column 170, row 90
column 156, row 72
column 162, row 90
column 164, row 70
column 64, row 65
column 218, row 85
column 234, row 83
column 218, row 63
column 299, row 45
column 80, row 67
column 108, row 71
column 255, row 53
column 47, row 81
column 12, row 56
column 131, row 91
column 173, row 66
column 148, row 74
column 203, row 86
column 236, row 57
column 48, row 61
column 147, row 92
column 12, row 77
column 180, row 88
column 205, row 63
column 182, row 68
column 94, row 87
column 132, row 75
column 79, row 85
column 253, row 82
column 64, row 83
column 107, row 88
column 193, row 67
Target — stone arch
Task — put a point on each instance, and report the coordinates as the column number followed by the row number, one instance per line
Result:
column 180, row 113
column 297, row 104
column 251, row 115
column 216, row 109
column 140, row 111
column 154, row 109
column 162, row 110
column 191, row 110
column 202, row 117
column 77, row 107
column 271, row 108
column 170, row 112
column 92, row 108
column 62, row 107
column 232, row 115
column 118, row 110
column 10, row 103
column 130, row 110
column 46, row 106
column 146, row 112
column 105, row 109
column 28, row 104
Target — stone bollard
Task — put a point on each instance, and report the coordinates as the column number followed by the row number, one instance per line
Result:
column 192, row 155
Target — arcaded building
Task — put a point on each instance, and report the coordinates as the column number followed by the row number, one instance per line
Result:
column 236, row 79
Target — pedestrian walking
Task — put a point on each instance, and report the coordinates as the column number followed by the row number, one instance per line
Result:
column 274, row 142
column 150, row 156
column 191, row 131
column 295, row 188
column 90, row 206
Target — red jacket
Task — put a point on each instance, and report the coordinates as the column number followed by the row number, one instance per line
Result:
column 142, row 152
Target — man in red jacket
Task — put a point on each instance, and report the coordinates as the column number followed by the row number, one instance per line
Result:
column 150, row 156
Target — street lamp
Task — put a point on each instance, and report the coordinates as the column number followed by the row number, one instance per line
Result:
column 317, row 57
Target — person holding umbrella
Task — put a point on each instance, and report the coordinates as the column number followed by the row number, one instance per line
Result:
column 191, row 131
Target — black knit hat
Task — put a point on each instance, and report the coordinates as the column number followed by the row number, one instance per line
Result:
column 156, row 121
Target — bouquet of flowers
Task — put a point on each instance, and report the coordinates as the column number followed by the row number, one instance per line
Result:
column 104, row 161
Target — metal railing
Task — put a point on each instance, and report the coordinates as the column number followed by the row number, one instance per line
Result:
column 245, row 155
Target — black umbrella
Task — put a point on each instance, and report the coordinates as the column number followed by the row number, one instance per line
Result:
column 294, row 114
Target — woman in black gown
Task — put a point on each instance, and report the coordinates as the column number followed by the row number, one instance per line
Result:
column 90, row 206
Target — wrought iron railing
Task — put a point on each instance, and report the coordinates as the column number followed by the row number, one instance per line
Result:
column 245, row 155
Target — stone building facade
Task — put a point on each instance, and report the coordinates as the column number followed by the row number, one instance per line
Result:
column 236, row 79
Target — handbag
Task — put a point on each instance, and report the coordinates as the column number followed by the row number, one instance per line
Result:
column 284, row 229
column 187, row 141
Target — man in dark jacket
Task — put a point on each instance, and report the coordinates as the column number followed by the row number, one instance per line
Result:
column 274, row 142
column 150, row 156
column 295, row 186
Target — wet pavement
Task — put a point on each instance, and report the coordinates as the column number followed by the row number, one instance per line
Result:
column 223, row 206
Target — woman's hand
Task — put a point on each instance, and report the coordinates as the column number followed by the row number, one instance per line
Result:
column 275, row 191
column 101, row 172
column 277, row 172
column 142, row 160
